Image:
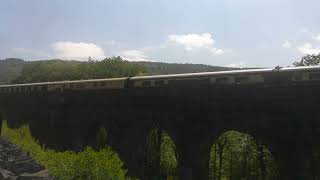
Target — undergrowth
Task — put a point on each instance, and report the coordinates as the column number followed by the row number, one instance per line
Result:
column 85, row 165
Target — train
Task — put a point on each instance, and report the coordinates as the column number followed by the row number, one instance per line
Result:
column 226, row 78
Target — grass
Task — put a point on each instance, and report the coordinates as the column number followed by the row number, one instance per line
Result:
column 88, row 164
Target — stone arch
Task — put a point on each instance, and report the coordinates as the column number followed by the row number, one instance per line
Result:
column 237, row 155
column 160, row 155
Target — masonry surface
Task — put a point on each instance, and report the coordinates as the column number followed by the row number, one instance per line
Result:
column 283, row 117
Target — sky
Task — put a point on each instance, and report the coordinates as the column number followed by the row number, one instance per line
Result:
column 234, row 33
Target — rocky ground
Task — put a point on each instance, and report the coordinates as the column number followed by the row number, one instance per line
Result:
column 18, row 165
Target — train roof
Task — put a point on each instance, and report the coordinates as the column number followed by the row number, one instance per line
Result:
column 186, row 75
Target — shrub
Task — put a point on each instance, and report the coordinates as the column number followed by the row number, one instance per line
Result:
column 101, row 138
column 86, row 165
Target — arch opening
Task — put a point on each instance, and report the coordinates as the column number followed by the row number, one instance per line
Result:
column 161, row 156
column 237, row 155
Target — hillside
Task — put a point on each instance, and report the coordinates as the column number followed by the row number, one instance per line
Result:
column 157, row 68
column 12, row 69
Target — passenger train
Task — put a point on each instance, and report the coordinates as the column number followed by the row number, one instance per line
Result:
column 234, row 77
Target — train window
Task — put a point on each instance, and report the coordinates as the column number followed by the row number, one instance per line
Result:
column 159, row 83
column 43, row 88
column 313, row 76
column 298, row 76
column 102, row 84
column 146, row 83
column 242, row 79
column 222, row 80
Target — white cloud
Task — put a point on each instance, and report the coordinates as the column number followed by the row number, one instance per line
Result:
column 240, row 64
column 286, row 44
column 307, row 48
column 134, row 55
column 316, row 37
column 77, row 50
column 113, row 43
column 192, row 41
column 216, row 51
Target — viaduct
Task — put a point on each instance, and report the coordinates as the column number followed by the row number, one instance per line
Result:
column 278, row 107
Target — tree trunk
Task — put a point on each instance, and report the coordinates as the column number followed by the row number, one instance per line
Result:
column 231, row 165
column 261, row 162
column 215, row 162
column 221, row 147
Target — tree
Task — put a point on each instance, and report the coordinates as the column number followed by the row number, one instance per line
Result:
column 308, row 60
column 237, row 155
column 58, row 70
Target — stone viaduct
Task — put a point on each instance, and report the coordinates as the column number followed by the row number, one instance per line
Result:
column 279, row 108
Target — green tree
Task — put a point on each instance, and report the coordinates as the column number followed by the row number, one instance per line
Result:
column 308, row 60
column 102, row 136
column 58, row 70
column 161, row 160
column 236, row 155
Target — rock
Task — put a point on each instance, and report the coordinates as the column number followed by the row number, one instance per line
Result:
column 4, row 164
column 6, row 175
column 16, row 164
column 41, row 175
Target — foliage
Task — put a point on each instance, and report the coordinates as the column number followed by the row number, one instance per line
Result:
column 308, row 60
column 168, row 159
column 157, row 68
column 236, row 155
column 86, row 165
column 153, row 153
column 161, row 157
column 10, row 69
column 58, row 70
column 102, row 136
column 14, row 70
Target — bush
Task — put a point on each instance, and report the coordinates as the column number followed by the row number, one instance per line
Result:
column 86, row 165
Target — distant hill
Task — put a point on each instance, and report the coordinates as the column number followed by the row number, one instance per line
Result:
column 157, row 68
column 11, row 68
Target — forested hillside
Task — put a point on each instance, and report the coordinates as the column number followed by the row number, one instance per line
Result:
column 156, row 68
column 10, row 69
column 14, row 70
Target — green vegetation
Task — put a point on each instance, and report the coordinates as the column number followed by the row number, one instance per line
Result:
column 14, row 70
column 86, row 165
column 101, row 138
column 157, row 68
column 161, row 160
column 57, row 70
column 236, row 155
column 10, row 69
column 308, row 60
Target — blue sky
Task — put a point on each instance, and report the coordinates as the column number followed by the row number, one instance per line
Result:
column 241, row 33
